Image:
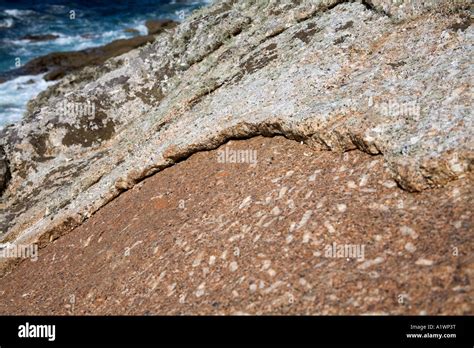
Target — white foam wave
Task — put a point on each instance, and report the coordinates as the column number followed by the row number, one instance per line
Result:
column 140, row 27
column 6, row 23
column 19, row 13
column 15, row 94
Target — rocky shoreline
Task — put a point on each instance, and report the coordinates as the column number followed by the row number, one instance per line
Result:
column 58, row 64
column 390, row 81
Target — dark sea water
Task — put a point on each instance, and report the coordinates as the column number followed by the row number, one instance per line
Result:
column 96, row 23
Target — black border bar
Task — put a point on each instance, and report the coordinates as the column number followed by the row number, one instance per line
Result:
column 187, row 330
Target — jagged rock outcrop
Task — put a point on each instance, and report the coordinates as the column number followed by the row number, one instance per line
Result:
column 338, row 75
column 157, row 26
column 43, row 37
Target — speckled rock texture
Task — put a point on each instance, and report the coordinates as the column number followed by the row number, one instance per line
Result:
column 208, row 236
column 338, row 75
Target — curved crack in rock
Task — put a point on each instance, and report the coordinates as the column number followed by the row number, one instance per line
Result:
column 260, row 226
column 334, row 74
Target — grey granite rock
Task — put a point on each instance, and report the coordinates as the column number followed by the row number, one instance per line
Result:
column 339, row 75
